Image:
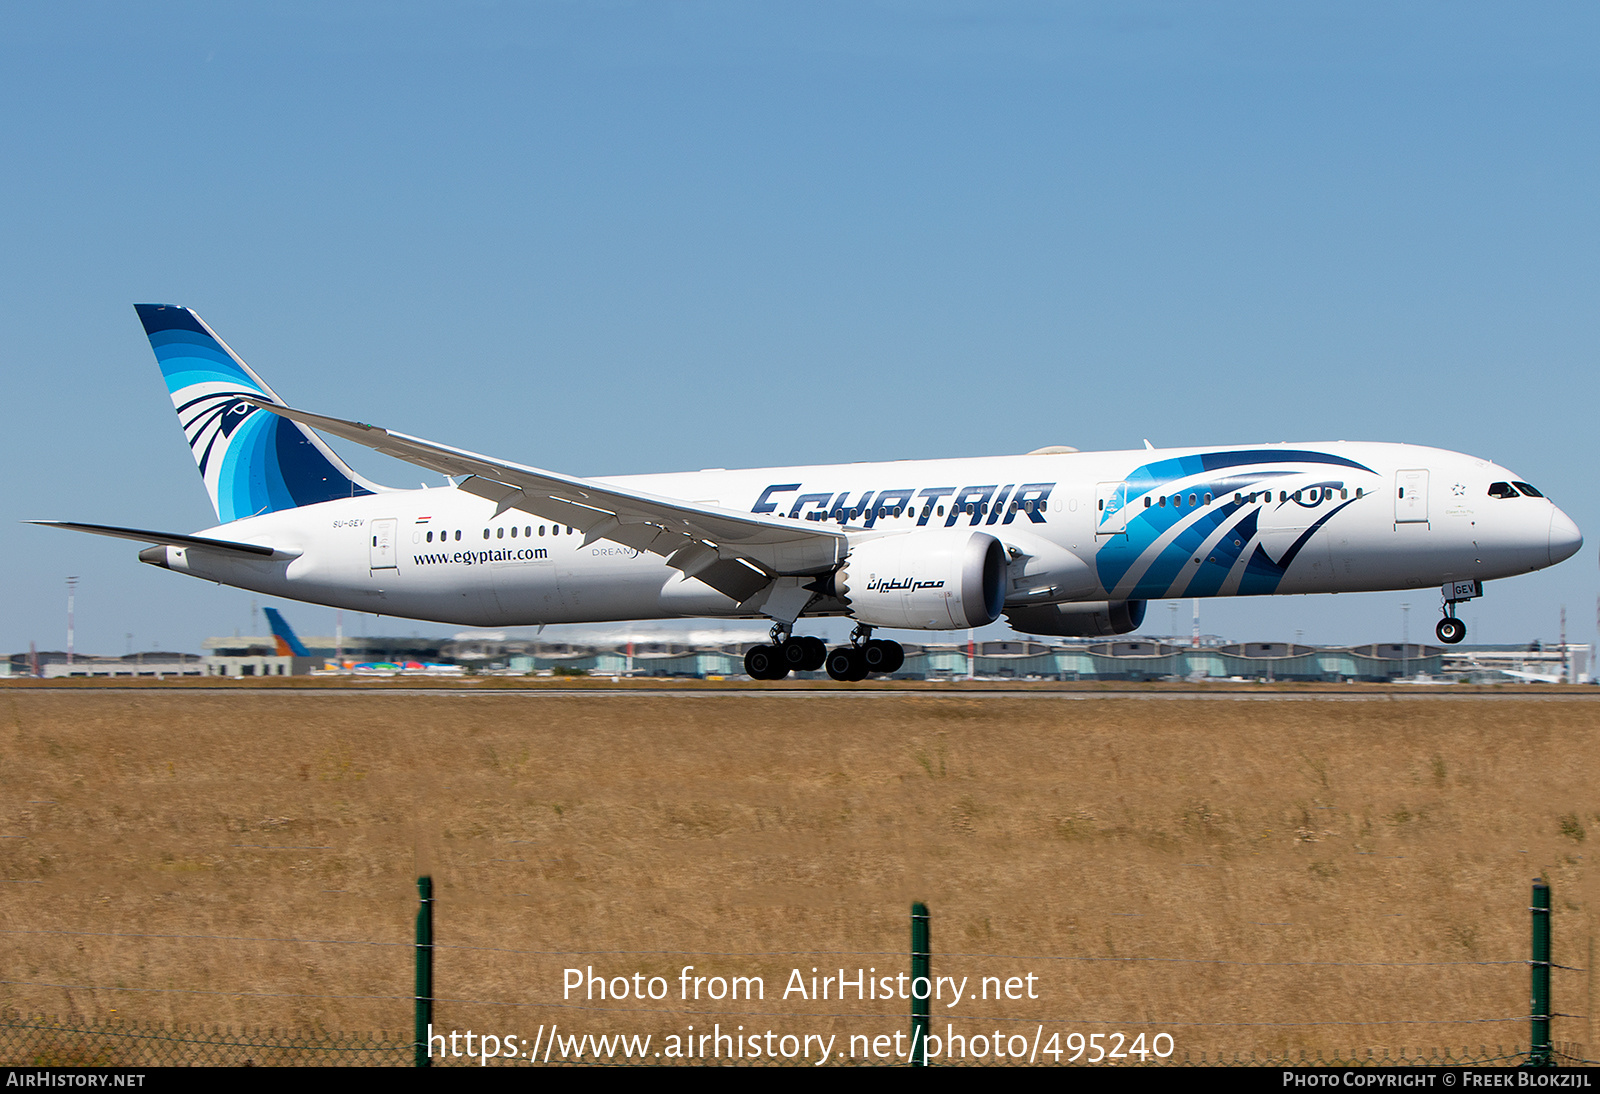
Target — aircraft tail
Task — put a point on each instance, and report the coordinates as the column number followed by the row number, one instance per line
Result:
column 252, row 461
column 288, row 644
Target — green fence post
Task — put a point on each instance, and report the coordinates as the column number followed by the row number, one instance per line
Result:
column 1540, row 1051
column 919, row 968
column 424, row 998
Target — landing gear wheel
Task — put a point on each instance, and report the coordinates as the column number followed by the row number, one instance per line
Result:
column 883, row 656
column 802, row 653
column 794, row 653
column 763, row 663
column 816, row 653
column 847, row 664
column 1450, row 630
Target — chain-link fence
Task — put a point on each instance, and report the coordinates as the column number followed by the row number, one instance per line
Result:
column 49, row 1042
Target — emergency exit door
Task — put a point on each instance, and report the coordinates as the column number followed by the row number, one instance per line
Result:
column 1110, row 519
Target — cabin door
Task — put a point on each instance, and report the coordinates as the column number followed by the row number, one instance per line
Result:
column 384, row 550
column 1411, row 497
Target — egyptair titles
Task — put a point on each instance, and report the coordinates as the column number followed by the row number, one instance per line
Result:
column 979, row 505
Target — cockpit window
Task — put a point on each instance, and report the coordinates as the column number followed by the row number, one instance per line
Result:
column 1501, row 490
column 1528, row 490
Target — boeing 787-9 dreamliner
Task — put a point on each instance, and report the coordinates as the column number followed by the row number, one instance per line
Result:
column 1060, row 542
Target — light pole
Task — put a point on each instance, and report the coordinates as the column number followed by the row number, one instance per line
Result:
column 1405, row 641
column 72, row 594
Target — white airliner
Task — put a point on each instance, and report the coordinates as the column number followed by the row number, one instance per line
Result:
column 1059, row 542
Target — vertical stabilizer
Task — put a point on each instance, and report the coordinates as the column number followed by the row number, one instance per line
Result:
column 252, row 461
column 288, row 644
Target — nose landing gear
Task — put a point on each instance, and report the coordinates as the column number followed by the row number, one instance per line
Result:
column 1450, row 629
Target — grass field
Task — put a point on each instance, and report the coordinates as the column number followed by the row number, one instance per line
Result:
column 1244, row 876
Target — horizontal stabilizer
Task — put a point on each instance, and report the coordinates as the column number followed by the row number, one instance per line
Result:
column 170, row 539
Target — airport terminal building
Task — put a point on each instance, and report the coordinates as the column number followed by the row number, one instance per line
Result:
column 707, row 654
column 712, row 654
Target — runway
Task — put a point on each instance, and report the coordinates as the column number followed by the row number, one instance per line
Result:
column 1440, row 693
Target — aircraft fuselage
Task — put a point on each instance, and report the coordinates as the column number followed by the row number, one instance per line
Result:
column 1078, row 527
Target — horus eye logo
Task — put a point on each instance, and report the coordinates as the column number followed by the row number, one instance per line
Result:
column 225, row 410
column 233, row 416
column 213, row 417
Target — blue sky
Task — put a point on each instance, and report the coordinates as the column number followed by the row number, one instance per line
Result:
column 629, row 237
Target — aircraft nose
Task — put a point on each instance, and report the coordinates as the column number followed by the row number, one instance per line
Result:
column 1565, row 539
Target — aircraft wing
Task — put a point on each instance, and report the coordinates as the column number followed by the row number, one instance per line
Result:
column 735, row 553
column 171, row 539
column 1533, row 677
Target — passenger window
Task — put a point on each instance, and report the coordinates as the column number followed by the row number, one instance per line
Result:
column 513, row 531
column 541, row 529
column 486, row 533
column 499, row 533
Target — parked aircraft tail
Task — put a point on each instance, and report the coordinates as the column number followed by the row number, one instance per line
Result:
column 252, row 462
column 288, row 644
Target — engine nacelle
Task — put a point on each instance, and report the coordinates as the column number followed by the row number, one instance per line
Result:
column 1083, row 619
column 925, row 580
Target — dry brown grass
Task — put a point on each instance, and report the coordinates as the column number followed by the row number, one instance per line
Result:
column 638, row 833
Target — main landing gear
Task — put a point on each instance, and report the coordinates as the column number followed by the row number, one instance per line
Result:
column 1450, row 629
column 865, row 655
column 788, row 653
column 803, row 653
